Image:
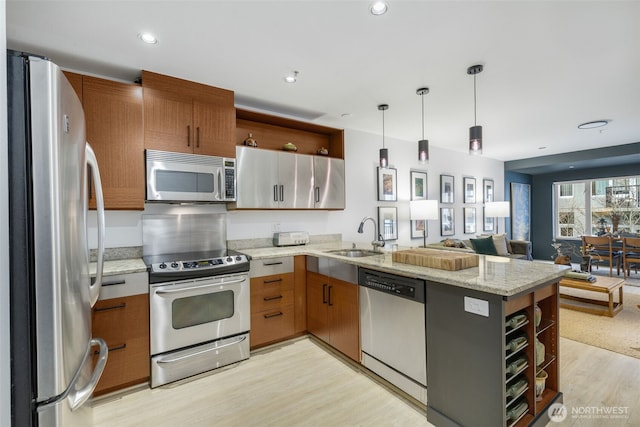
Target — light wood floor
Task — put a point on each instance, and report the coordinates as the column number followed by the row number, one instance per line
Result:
column 301, row 384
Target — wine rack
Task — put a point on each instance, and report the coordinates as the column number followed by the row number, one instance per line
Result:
column 516, row 382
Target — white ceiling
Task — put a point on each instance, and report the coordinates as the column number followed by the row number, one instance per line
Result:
column 548, row 65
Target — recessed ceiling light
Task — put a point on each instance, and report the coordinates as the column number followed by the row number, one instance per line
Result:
column 148, row 38
column 594, row 124
column 379, row 8
column 292, row 78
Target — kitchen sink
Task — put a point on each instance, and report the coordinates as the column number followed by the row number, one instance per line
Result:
column 354, row 253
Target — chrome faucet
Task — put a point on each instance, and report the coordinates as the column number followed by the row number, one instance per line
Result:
column 378, row 241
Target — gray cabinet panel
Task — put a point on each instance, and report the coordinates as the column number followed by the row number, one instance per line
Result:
column 268, row 179
column 295, row 181
column 329, row 183
column 257, row 178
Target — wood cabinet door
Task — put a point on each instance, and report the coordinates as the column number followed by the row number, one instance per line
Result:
column 168, row 121
column 113, row 114
column 344, row 318
column 215, row 128
column 317, row 307
column 124, row 324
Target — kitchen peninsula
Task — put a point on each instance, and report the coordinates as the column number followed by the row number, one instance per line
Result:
column 469, row 376
column 470, row 380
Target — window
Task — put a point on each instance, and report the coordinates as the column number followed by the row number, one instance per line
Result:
column 597, row 207
column 566, row 190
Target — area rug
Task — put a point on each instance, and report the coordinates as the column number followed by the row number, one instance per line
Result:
column 620, row 334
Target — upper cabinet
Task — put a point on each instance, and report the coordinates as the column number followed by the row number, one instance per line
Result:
column 270, row 178
column 113, row 116
column 188, row 117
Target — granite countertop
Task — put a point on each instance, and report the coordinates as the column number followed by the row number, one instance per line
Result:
column 495, row 275
column 121, row 266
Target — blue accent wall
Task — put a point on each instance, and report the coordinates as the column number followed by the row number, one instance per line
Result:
column 542, row 201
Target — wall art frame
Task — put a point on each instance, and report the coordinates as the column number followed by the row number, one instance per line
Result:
column 418, row 184
column 488, row 224
column 388, row 222
column 387, row 184
column 520, row 211
column 447, row 194
column 469, row 189
column 469, row 220
column 447, row 222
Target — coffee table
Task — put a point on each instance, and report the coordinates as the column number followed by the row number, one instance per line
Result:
column 603, row 285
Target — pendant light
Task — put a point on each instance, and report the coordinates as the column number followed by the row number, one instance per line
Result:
column 384, row 153
column 475, row 132
column 423, row 144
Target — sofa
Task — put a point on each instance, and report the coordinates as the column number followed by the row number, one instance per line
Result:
column 494, row 244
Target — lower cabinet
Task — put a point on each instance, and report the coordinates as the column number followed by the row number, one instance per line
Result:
column 272, row 309
column 124, row 324
column 332, row 313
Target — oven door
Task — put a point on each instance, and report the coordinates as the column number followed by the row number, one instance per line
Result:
column 192, row 312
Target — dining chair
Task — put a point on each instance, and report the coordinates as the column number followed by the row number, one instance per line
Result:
column 630, row 254
column 602, row 250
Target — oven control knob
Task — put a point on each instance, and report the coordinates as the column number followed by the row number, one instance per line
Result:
column 174, row 265
column 238, row 258
column 163, row 266
column 229, row 259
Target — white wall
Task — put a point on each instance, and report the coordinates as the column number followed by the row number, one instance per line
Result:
column 361, row 156
column 5, row 366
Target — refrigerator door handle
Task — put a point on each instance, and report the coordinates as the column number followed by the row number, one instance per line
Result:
column 94, row 290
column 80, row 396
column 85, row 392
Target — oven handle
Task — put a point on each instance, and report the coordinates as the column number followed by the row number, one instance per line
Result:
column 197, row 288
column 218, row 347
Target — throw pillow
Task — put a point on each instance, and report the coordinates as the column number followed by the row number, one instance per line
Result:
column 500, row 241
column 484, row 246
column 449, row 243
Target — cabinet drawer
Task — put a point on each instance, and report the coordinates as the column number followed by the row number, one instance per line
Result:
column 272, row 325
column 270, row 292
column 127, row 364
column 117, row 319
column 268, row 267
column 271, row 300
column 123, row 285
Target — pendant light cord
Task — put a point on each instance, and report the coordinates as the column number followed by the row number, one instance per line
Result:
column 382, row 128
column 475, row 118
column 422, row 115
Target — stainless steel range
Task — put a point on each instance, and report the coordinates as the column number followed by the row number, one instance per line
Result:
column 199, row 296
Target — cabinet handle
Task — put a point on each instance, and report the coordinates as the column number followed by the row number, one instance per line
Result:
column 198, row 137
column 272, row 280
column 324, row 292
column 282, row 193
column 188, row 135
column 272, row 298
column 330, row 302
column 272, row 263
column 275, row 193
column 114, row 348
column 317, row 194
column 269, row 316
column 114, row 282
column 112, row 307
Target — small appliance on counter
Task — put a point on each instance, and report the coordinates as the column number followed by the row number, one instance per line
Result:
column 290, row 238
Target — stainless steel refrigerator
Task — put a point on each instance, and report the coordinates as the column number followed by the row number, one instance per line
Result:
column 52, row 351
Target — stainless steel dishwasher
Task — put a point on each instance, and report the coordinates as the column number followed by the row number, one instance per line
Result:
column 392, row 330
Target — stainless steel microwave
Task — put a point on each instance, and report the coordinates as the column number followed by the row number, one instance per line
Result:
column 180, row 177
